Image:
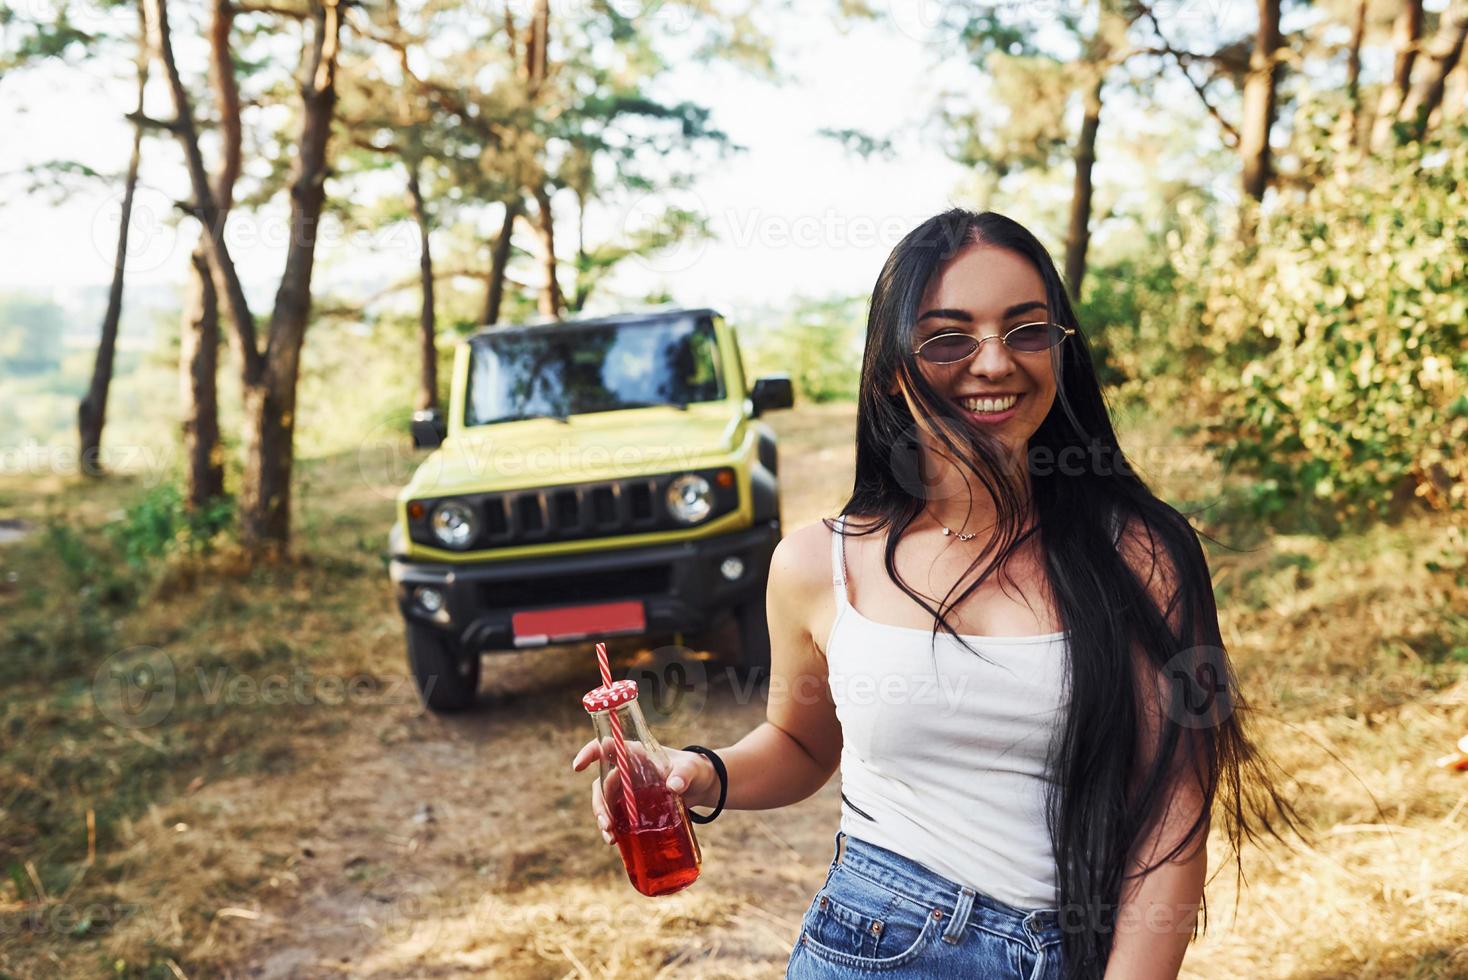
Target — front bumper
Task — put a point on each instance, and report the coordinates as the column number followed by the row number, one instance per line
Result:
column 678, row 583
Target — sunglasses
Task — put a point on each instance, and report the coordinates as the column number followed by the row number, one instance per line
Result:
column 1027, row 338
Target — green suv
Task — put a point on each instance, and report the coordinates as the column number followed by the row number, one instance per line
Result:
column 597, row 477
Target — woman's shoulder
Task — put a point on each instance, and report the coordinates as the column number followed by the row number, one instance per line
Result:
column 1163, row 552
column 803, row 559
column 803, row 556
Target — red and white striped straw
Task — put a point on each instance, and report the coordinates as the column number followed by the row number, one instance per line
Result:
column 619, row 745
column 601, row 662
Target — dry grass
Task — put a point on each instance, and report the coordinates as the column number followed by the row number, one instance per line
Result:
column 369, row 839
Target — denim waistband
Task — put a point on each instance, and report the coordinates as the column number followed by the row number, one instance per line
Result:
column 906, row 877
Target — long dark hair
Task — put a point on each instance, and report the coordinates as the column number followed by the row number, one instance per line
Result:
column 1127, row 653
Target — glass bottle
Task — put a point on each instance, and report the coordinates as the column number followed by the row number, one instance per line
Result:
column 649, row 821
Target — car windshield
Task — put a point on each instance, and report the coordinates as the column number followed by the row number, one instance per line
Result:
column 571, row 369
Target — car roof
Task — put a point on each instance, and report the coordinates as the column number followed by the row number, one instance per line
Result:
column 605, row 320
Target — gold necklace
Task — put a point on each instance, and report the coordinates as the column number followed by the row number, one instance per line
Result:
column 961, row 537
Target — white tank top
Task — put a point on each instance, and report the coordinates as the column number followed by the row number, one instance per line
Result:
column 943, row 751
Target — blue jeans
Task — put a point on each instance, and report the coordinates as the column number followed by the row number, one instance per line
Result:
column 880, row 912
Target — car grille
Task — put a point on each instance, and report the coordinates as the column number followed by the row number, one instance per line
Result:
column 618, row 583
column 576, row 512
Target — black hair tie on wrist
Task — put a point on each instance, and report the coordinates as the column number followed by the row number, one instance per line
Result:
column 723, row 782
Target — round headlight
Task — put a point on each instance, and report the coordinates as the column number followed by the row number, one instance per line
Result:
column 690, row 499
column 454, row 524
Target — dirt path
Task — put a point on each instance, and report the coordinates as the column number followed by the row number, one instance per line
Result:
column 445, row 847
column 465, row 846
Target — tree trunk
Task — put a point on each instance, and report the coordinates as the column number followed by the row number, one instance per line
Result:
column 1078, row 239
column 198, row 382
column 199, row 337
column 1406, row 33
column 1259, row 101
column 91, row 414
column 428, row 349
column 270, row 396
column 204, row 206
column 537, row 46
column 269, row 378
column 1455, row 98
column 1443, row 56
column 1351, row 122
column 583, row 287
column 499, row 261
column 550, row 293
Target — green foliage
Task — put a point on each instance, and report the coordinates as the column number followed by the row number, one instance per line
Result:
column 1117, row 310
column 1332, row 349
column 30, row 336
column 68, row 623
column 1342, row 342
column 818, row 343
column 161, row 523
column 95, row 576
column 859, row 143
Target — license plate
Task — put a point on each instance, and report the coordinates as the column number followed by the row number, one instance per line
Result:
column 575, row 622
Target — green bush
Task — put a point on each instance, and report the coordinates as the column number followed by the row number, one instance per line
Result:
column 1119, row 315
column 818, row 344
column 160, row 523
column 1330, row 352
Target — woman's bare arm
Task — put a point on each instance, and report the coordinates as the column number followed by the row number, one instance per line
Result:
column 1155, row 921
column 795, row 751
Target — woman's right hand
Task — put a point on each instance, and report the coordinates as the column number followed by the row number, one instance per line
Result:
column 690, row 775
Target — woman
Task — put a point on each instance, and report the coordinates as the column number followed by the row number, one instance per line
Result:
column 1027, row 789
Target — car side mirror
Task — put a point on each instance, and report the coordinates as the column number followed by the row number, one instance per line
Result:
column 771, row 391
column 428, row 428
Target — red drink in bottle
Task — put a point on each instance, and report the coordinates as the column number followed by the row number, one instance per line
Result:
column 649, row 821
column 658, row 848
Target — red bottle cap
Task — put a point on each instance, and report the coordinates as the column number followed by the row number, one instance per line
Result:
column 610, row 695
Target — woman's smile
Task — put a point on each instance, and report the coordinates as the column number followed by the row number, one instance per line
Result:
column 990, row 409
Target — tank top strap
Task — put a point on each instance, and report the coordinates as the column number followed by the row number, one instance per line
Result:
column 838, row 561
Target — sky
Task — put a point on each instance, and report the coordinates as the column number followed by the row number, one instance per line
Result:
column 794, row 215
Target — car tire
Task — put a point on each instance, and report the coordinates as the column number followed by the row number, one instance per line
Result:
column 754, row 639
column 447, row 679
